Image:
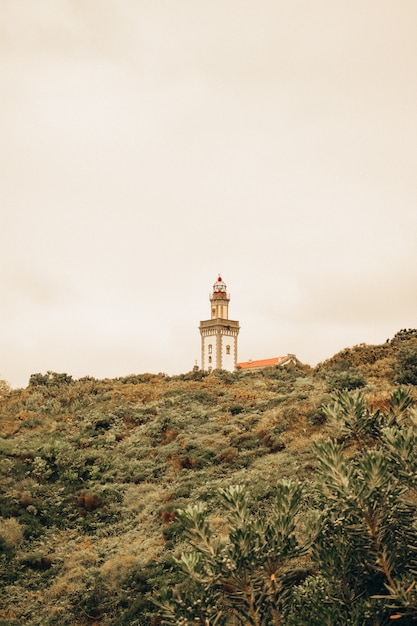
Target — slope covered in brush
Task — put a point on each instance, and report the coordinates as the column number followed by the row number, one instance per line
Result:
column 94, row 472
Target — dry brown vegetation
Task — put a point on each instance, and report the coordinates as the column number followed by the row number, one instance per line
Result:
column 93, row 472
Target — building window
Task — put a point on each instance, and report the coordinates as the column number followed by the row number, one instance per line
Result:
column 227, row 349
column 210, row 348
column 209, row 359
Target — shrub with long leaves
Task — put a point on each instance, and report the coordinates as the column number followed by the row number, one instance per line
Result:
column 240, row 578
column 350, row 418
column 367, row 544
column 364, row 553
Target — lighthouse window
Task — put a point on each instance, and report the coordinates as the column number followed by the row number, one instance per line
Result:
column 228, row 349
column 210, row 348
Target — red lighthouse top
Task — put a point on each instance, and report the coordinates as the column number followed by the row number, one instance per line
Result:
column 219, row 290
column 219, row 286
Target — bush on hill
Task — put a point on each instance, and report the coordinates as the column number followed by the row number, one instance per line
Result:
column 94, row 473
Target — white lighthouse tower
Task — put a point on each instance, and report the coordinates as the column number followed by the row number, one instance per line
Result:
column 219, row 334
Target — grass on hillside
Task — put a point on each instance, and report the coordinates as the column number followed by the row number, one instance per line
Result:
column 93, row 472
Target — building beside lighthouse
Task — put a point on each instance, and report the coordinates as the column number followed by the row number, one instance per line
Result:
column 219, row 334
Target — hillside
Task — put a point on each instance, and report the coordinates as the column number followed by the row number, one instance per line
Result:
column 93, row 472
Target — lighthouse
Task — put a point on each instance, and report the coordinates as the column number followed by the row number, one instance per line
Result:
column 219, row 334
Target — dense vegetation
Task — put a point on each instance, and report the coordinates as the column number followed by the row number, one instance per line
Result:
column 283, row 497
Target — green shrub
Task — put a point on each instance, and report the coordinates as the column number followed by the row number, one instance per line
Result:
column 361, row 529
column 235, row 409
column 241, row 574
column 406, row 368
column 37, row 561
column 345, row 377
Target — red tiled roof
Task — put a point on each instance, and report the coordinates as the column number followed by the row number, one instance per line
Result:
column 261, row 362
column 278, row 360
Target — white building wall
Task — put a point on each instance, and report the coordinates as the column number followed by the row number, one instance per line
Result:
column 209, row 340
column 228, row 359
column 209, row 349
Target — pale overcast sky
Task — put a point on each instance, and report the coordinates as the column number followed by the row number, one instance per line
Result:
column 147, row 145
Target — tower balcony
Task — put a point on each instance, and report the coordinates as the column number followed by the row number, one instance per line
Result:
column 219, row 322
column 219, row 295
